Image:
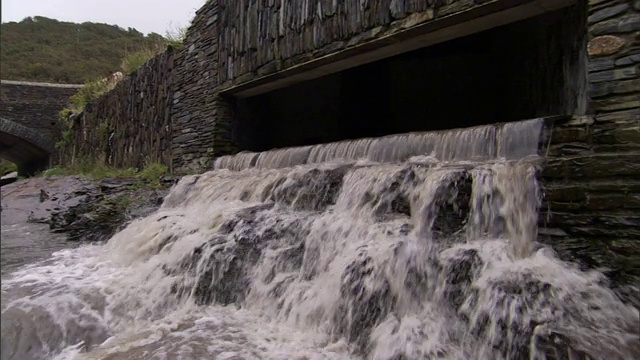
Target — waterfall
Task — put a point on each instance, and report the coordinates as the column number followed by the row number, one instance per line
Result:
column 410, row 246
column 509, row 141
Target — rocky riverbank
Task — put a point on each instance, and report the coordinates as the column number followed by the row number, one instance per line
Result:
column 79, row 207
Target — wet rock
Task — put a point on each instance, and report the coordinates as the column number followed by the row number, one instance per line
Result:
column 287, row 260
column 522, row 317
column 278, row 290
column 405, row 229
column 365, row 299
column 222, row 268
column 224, row 281
column 458, row 273
column 247, row 215
column 393, row 201
column 401, row 205
column 314, row 190
column 453, row 206
column 416, row 283
column 43, row 196
column 605, row 45
column 505, row 329
column 99, row 209
column 110, row 186
column 145, row 203
column 616, row 258
column 168, row 181
column 556, row 346
column 8, row 178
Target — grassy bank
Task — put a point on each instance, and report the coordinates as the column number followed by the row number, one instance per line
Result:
column 149, row 176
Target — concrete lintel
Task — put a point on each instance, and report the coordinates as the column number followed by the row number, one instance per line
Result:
column 484, row 17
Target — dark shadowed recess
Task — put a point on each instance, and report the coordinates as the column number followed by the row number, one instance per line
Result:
column 524, row 70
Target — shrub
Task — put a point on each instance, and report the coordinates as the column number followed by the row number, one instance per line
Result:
column 175, row 36
column 133, row 60
column 7, row 167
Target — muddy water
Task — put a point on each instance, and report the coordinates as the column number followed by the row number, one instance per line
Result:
column 352, row 251
column 23, row 242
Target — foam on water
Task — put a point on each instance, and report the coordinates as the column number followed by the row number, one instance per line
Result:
column 352, row 258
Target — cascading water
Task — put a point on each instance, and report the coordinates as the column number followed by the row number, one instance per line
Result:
column 418, row 246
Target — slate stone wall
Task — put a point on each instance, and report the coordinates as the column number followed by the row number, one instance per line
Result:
column 195, row 105
column 129, row 126
column 164, row 112
column 592, row 178
column 35, row 105
column 260, row 38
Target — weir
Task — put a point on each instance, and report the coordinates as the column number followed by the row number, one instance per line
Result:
column 412, row 246
column 488, row 142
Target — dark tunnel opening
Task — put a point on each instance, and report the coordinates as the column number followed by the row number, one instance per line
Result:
column 523, row 70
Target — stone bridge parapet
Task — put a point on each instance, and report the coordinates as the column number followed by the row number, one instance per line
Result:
column 29, row 125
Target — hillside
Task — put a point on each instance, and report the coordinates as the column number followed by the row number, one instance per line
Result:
column 43, row 49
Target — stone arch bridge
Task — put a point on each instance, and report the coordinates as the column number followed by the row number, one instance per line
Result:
column 29, row 124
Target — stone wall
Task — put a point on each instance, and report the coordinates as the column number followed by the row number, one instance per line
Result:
column 168, row 111
column 592, row 179
column 129, row 126
column 35, row 105
column 259, row 38
column 233, row 42
column 467, row 81
column 195, row 104
column 266, row 41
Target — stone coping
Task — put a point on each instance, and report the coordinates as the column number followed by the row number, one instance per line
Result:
column 43, row 84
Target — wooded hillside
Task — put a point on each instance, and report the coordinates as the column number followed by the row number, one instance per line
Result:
column 43, row 49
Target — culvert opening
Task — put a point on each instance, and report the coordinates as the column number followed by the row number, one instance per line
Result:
column 523, row 70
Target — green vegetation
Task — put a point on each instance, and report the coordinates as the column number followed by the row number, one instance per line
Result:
column 135, row 59
column 152, row 172
column 7, row 167
column 175, row 36
column 42, row 49
column 89, row 92
column 148, row 177
column 91, row 170
column 77, row 102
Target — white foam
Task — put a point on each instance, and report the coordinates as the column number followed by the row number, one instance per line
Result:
column 321, row 269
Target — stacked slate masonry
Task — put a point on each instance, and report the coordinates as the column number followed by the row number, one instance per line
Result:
column 164, row 112
column 130, row 126
column 35, row 105
column 592, row 175
column 200, row 117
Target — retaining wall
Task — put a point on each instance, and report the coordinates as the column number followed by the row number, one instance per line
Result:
column 129, row 126
column 592, row 177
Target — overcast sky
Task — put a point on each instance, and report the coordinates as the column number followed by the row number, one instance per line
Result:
column 144, row 15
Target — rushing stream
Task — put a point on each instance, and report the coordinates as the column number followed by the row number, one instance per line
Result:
column 418, row 246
